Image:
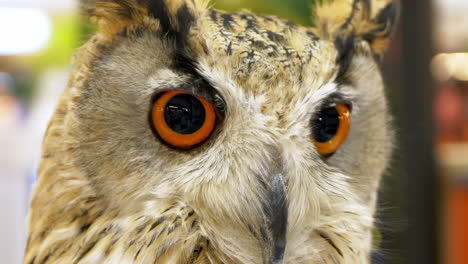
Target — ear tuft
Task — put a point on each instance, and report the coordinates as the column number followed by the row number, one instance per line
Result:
column 123, row 10
column 369, row 20
column 173, row 15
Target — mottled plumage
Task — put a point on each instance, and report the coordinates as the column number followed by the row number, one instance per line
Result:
column 257, row 191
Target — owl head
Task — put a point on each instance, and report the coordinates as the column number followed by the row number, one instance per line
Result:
column 274, row 134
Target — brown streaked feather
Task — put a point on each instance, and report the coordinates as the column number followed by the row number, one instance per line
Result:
column 172, row 15
column 370, row 20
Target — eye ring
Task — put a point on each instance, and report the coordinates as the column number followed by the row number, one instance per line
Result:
column 189, row 138
column 331, row 145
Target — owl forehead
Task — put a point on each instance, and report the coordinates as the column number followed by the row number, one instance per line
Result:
column 256, row 39
column 272, row 36
column 259, row 49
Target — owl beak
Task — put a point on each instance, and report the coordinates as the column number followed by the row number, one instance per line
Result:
column 277, row 211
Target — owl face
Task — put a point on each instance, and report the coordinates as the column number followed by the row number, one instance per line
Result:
column 275, row 134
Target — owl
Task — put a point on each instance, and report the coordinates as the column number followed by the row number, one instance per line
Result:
column 191, row 135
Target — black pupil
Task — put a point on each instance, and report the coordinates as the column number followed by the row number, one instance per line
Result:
column 184, row 114
column 326, row 125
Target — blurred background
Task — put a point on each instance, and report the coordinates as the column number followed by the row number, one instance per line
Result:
column 423, row 207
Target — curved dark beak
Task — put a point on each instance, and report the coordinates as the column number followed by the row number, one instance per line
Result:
column 278, row 215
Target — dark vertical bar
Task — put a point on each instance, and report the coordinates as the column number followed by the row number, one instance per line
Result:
column 417, row 143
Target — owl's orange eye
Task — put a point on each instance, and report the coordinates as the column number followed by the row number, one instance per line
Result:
column 183, row 120
column 330, row 128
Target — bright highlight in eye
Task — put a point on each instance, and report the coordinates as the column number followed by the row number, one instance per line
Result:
column 330, row 128
column 23, row 30
column 183, row 120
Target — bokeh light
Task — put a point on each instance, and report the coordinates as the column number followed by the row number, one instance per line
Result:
column 23, row 30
